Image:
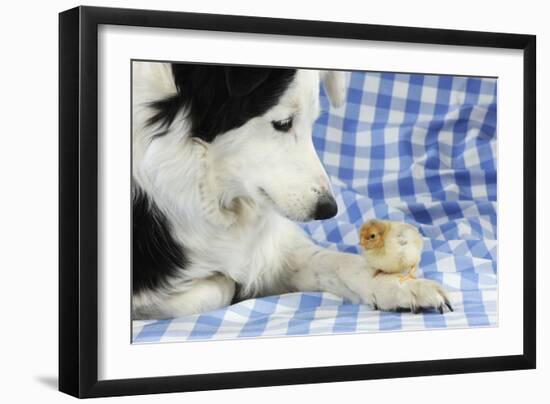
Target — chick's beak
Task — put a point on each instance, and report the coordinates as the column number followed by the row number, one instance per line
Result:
column 362, row 237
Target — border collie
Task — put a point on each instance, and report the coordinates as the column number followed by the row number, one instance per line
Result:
column 223, row 165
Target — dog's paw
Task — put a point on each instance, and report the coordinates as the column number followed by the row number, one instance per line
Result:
column 414, row 295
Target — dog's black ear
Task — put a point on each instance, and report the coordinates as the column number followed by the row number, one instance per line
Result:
column 242, row 81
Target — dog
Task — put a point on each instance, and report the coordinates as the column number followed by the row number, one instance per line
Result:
column 223, row 166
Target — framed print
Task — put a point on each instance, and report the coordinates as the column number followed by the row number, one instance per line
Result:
column 251, row 201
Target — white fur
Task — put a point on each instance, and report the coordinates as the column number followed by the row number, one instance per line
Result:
column 231, row 203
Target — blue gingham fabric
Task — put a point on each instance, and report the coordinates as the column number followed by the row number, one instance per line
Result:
column 406, row 147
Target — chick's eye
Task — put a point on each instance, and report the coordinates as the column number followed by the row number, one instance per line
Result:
column 283, row 126
column 372, row 236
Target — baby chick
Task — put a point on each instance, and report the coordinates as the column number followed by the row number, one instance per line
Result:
column 391, row 247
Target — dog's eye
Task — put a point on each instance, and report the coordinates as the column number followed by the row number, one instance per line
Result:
column 283, row 126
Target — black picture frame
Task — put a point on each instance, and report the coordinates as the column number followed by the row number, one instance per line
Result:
column 78, row 200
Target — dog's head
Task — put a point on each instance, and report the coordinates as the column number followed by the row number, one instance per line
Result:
column 256, row 126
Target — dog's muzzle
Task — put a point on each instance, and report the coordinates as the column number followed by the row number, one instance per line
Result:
column 326, row 207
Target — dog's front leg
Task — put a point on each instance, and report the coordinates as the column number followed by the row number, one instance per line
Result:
column 348, row 275
column 317, row 269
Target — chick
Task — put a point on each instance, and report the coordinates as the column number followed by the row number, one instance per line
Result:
column 391, row 247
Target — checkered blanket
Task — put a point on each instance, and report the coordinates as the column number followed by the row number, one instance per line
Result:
column 406, row 147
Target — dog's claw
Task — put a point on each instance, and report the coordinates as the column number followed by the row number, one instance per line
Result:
column 448, row 304
column 420, row 309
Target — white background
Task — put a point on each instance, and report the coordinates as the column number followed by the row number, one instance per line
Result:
column 28, row 167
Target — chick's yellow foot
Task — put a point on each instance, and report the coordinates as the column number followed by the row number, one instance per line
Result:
column 408, row 275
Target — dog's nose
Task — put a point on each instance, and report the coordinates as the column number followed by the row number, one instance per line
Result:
column 326, row 207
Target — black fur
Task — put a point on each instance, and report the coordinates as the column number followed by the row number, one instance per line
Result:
column 220, row 98
column 155, row 254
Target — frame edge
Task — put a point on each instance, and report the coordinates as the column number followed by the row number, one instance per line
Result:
column 529, row 202
column 69, row 115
